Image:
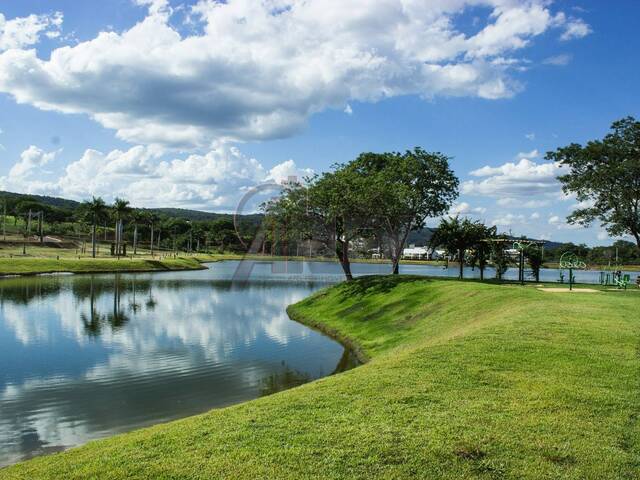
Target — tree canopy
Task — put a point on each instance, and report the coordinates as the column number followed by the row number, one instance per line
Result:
column 458, row 235
column 604, row 175
column 386, row 195
column 404, row 190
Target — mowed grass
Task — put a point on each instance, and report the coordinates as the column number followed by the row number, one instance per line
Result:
column 465, row 380
column 33, row 265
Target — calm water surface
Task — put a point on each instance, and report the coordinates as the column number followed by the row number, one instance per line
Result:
column 87, row 356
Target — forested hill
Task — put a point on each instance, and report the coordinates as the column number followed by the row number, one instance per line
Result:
column 200, row 216
column 13, row 199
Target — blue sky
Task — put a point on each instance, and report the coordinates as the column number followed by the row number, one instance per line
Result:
column 190, row 104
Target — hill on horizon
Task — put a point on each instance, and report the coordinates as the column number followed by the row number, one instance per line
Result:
column 184, row 213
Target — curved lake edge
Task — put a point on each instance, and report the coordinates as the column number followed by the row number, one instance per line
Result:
column 349, row 359
column 349, row 344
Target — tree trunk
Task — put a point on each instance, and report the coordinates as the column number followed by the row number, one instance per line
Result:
column 135, row 239
column 115, row 240
column 482, row 263
column 342, row 252
column 461, row 260
column 397, row 249
column 93, row 241
column 152, row 239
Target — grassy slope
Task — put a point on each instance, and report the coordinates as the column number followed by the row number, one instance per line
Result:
column 465, row 380
column 24, row 266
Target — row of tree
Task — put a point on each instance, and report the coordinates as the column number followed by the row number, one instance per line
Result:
column 190, row 236
column 387, row 195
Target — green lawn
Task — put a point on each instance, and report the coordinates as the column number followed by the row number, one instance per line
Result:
column 465, row 380
column 29, row 265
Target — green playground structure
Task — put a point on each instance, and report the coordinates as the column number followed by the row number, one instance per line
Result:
column 615, row 279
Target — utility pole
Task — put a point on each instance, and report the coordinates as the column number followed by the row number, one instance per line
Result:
column 40, row 226
column 4, row 221
column 174, row 241
column 27, row 232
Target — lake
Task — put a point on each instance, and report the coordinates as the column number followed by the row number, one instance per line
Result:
column 88, row 356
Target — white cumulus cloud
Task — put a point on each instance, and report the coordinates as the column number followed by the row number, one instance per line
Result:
column 575, row 28
column 464, row 208
column 509, row 220
column 30, row 160
column 258, row 69
column 515, row 180
column 213, row 181
column 24, row 32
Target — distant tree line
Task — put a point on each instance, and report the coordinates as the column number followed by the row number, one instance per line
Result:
column 127, row 229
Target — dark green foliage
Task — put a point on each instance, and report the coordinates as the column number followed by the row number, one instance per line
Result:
column 605, row 174
column 457, row 236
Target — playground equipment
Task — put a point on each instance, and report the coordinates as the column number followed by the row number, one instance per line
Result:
column 522, row 246
column 616, row 279
column 570, row 261
column 621, row 281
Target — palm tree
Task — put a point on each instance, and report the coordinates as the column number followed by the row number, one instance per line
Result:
column 120, row 210
column 456, row 236
column 481, row 236
column 95, row 211
column 136, row 217
column 151, row 219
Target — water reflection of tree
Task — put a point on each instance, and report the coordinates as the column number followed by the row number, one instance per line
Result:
column 21, row 291
column 151, row 301
column 92, row 322
column 283, row 380
column 117, row 319
column 133, row 304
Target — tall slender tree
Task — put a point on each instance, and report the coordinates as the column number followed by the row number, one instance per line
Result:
column 151, row 219
column 120, row 210
column 95, row 211
column 136, row 216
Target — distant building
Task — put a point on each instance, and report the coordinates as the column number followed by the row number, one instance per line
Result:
column 512, row 252
column 437, row 254
column 415, row 253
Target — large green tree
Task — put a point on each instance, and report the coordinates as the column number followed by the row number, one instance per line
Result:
column 333, row 208
column 404, row 190
column 605, row 176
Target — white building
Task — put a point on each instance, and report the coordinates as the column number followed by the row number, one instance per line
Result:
column 437, row 254
column 415, row 253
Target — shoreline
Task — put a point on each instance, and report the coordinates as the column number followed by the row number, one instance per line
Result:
column 32, row 267
column 333, row 333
